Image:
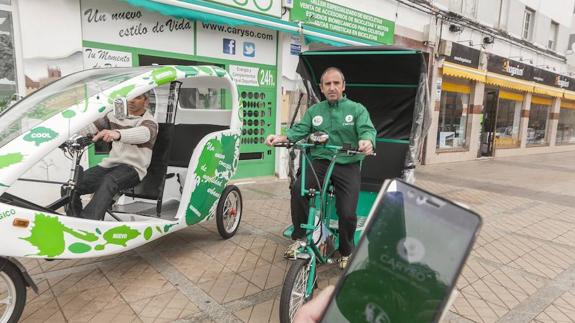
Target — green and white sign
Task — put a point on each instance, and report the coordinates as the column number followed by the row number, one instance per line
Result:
column 268, row 7
column 343, row 20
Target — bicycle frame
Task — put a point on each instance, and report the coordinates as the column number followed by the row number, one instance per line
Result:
column 322, row 205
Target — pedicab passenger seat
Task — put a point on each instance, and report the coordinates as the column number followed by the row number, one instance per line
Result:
column 388, row 163
column 186, row 138
column 173, row 147
column 152, row 185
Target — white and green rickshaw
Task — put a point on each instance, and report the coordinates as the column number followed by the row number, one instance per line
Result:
column 195, row 155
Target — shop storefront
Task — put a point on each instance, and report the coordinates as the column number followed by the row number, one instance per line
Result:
column 248, row 39
column 508, row 84
column 454, row 110
column 508, row 109
column 538, row 125
column 451, row 135
column 508, row 121
column 566, row 125
column 566, row 122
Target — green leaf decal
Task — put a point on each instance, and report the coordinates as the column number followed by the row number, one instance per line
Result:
column 189, row 70
column 40, row 134
column 123, row 92
column 219, row 71
column 148, row 233
column 206, row 70
column 214, row 169
column 68, row 114
column 120, row 235
column 10, row 159
column 167, row 227
column 47, row 235
column 79, row 247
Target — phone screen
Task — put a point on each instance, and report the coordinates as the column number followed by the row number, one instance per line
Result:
column 407, row 261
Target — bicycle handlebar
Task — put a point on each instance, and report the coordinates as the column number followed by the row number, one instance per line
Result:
column 300, row 146
column 77, row 143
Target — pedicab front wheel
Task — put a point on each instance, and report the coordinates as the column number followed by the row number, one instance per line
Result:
column 229, row 211
column 293, row 291
column 12, row 293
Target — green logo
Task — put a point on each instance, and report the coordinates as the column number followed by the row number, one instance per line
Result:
column 40, row 135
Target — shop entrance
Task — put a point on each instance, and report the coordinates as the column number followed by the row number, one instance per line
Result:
column 490, row 103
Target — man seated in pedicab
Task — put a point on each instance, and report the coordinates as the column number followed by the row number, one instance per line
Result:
column 132, row 141
column 346, row 122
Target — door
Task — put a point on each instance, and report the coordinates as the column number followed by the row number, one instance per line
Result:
column 490, row 103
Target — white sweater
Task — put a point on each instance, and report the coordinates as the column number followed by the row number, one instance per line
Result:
column 137, row 138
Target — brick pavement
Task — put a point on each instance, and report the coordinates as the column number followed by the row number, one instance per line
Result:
column 522, row 268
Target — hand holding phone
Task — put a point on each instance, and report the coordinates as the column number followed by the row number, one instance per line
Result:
column 408, row 260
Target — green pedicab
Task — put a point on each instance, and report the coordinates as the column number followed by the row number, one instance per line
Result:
column 392, row 84
column 195, row 155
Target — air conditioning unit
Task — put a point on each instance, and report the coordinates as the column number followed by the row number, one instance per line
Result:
column 445, row 47
column 287, row 4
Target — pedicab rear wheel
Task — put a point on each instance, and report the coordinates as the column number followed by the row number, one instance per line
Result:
column 12, row 293
column 293, row 291
column 229, row 211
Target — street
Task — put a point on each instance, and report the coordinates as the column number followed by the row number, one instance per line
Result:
column 522, row 268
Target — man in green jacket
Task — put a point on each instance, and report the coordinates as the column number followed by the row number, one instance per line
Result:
column 346, row 122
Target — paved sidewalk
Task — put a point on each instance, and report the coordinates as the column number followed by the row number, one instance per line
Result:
column 522, row 268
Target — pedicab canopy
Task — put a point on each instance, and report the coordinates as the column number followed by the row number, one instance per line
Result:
column 392, row 84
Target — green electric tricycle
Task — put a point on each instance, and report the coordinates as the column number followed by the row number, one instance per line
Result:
column 392, row 84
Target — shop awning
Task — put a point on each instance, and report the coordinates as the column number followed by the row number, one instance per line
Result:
column 508, row 82
column 548, row 90
column 454, row 87
column 221, row 14
column 505, row 95
column 461, row 71
column 569, row 95
column 567, row 104
column 541, row 100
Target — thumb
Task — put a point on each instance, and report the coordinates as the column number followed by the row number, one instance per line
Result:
column 97, row 136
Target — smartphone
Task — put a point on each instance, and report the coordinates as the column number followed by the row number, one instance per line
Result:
column 407, row 262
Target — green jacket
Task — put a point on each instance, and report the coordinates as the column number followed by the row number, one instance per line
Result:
column 345, row 121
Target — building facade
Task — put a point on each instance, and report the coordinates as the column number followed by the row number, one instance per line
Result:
column 501, row 81
column 499, row 77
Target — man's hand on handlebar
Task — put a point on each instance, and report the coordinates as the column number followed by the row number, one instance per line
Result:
column 366, row 147
column 272, row 140
column 107, row 135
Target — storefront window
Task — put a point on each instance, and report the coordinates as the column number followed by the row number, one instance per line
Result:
column 507, row 124
column 566, row 127
column 452, row 126
column 7, row 60
column 537, row 126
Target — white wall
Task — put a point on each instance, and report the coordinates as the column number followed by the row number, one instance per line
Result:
column 560, row 11
column 488, row 12
column 50, row 29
